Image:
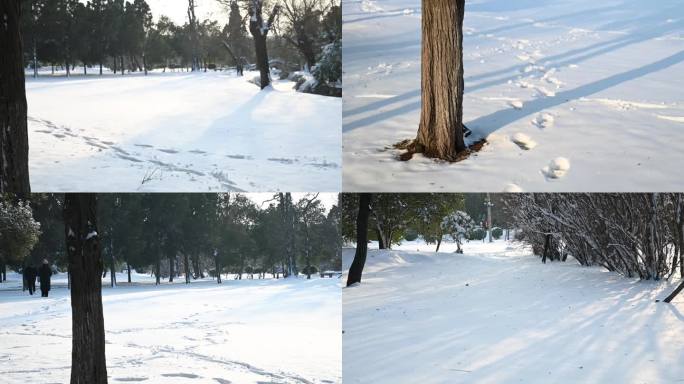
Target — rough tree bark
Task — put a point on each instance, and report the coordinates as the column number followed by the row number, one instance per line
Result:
column 14, row 171
column 259, row 31
column 88, row 363
column 356, row 269
column 441, row 131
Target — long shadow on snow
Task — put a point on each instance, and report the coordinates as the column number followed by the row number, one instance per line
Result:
column 610, row 46
column 485, row 125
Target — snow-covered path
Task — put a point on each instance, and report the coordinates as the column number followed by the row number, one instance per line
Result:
column 180, row 132
column 249, row 331
column 594, row 85
column 498, row 315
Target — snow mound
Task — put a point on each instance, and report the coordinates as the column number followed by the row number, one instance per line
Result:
column 512, row 188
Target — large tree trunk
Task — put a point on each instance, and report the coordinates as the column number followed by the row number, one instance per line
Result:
column 88, row 363
column 440, row 134
column 14, row 171
column 356, row 269
column 262, row 61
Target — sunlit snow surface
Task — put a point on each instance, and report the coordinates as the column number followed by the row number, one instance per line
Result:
column 249, row 331
column 496, row 314
column 180, row 132
column 598, row 83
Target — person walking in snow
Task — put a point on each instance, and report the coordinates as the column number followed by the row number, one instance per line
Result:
column 45, row 272
column 30, row 274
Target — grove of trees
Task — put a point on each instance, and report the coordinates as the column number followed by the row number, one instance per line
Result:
column 123, row 35
column 182, row 235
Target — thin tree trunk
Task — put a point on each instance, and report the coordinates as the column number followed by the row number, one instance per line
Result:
column 440, row 134
column 356, row 269
column 439, row 242
column 171, row 272
column 158, row 269
column 88, row 363
column 14, row 171
column 381, row 238
column 547, row 244
column 675, row 292
column 128, row 267
column 187, row 268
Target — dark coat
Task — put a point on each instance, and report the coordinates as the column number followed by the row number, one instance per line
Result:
column 30, row 273
column 45, row 272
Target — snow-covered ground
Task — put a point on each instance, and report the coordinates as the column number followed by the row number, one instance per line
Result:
column 249, row 331
column 180, row 132
column 498, row 315
column 572, row 95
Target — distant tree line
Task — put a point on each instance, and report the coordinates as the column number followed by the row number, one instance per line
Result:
column 181, row 235
column 121, row 35
column 394, row 217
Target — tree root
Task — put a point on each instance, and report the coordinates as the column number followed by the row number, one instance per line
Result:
column 411, row 146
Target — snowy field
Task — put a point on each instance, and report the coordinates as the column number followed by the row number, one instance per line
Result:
column 498, row 315
column 572, row 95
column 181, row 132
column 249, row 331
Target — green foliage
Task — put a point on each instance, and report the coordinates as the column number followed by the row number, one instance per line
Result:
column 476, row 234
column 497, row 233
column 410, row 234
column 329, row 67
column 19, row 232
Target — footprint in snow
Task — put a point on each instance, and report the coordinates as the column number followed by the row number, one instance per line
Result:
column 544, row 120
column 524, row 141
column 517, row 104
column 557, row 168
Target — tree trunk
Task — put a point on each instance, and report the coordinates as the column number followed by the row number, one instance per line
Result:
column 356, row 269
column 100, row 68
column 144, row 63
column 547, row 244
column 14, row 170
column 187, row 268
column 440, row 134
column 158, row 269
column 381, row 238
column 123, row 71
column 439, row 243
column 675, row 292
column 171, row 272
column 88, row 363
column 128, row 267
column 112, row 269
column 217, row 265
